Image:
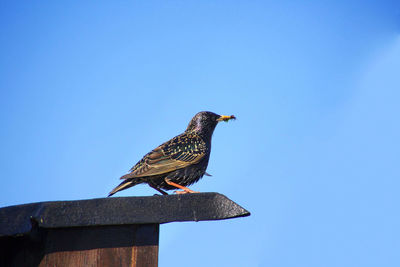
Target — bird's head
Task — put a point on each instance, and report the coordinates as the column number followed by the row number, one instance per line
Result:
column 204, row 122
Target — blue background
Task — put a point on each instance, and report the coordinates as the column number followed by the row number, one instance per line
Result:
column 88, row 88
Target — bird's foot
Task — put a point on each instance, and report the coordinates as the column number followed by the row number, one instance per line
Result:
column 185, row 192
column 185, row 189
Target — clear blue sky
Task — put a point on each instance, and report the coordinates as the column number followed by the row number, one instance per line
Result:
column 86, row 89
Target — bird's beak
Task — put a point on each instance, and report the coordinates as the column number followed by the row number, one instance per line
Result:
column 226, row 118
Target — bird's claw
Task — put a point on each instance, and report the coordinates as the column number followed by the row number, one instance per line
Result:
column 185, row 192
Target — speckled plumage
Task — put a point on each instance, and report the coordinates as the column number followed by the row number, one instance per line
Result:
column 182, row 160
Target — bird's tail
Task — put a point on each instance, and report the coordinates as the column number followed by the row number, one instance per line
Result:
column 124, row 185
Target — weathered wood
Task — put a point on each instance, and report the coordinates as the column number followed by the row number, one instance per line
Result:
column 17, row 220
column 100, row 232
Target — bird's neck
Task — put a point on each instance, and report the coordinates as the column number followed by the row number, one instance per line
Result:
column 205, row 135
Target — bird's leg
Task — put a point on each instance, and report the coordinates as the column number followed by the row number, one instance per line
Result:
column 158, row 189
column 185, row 189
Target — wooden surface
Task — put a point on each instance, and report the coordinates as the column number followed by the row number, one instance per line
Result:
column 122, row 245
column 21, row 219
column 132, row 245
column 118, row 231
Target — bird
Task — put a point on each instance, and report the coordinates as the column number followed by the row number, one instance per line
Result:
column 179, row 162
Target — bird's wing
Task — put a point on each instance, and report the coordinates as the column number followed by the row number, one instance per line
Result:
column 179, row 152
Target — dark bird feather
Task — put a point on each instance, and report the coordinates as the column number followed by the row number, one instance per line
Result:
column 182, row 160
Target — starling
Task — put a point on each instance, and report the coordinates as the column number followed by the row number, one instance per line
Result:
column 178, row 162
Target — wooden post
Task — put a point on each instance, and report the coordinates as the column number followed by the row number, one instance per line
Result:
column 100, row 232
column 122, row 245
